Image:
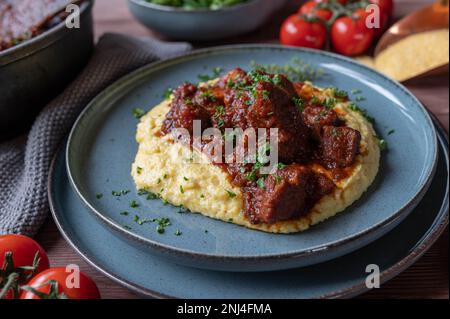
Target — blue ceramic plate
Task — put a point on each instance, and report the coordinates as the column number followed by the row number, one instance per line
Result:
column 102, row 147
column 153, row 276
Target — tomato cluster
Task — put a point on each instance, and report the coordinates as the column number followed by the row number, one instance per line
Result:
column 345, row 25
column 25, row 273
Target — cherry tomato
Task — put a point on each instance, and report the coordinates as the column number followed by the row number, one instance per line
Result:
column 42, row 283
column 310, row 9
column 23, row 251
column 297, row 31
column 350, row 35
column 386, row 6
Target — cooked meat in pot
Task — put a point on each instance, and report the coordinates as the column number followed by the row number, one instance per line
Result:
column 21, row 20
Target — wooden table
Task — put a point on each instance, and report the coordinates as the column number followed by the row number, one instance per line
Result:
column 428, row 278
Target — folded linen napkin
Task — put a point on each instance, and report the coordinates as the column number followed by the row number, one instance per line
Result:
column 25, row 161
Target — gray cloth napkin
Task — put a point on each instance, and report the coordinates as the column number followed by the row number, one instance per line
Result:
column 25, row 161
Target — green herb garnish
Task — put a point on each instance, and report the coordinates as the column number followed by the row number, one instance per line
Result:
column 163, row 222
column 197, row 4
column 281, row 165
column 296, row 70
column 183, row 209
column 145, row 220
column 251, row 176
column 383, row 144
column 167, row 93
column 260, row 183
column 329, row 103
column 208, row 95
column 150, row 195
column 277, row 178
column 321, row 115
column 334, row 132
column 220, row 111
column 339, row 93
column 299, row 103
column 120, row 193
column 231, row 194
column 314, row 100
column 134, row 204
column 355, row 108
column 204, row 77
column 216, row 72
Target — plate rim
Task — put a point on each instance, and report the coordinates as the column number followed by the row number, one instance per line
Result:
column 319, row 249
column 422, row 246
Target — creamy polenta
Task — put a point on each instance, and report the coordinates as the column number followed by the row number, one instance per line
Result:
column 166, row 167
column 414, row 55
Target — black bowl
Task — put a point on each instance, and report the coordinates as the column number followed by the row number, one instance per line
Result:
column 204, row 24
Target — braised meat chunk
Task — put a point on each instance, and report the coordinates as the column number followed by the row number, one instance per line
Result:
column 233, row 77
column 287, row 194
column 282, row 197
column 267, row 102
column 207, row 99
column 316, row 117
column 318, row 187
column 339, row 146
